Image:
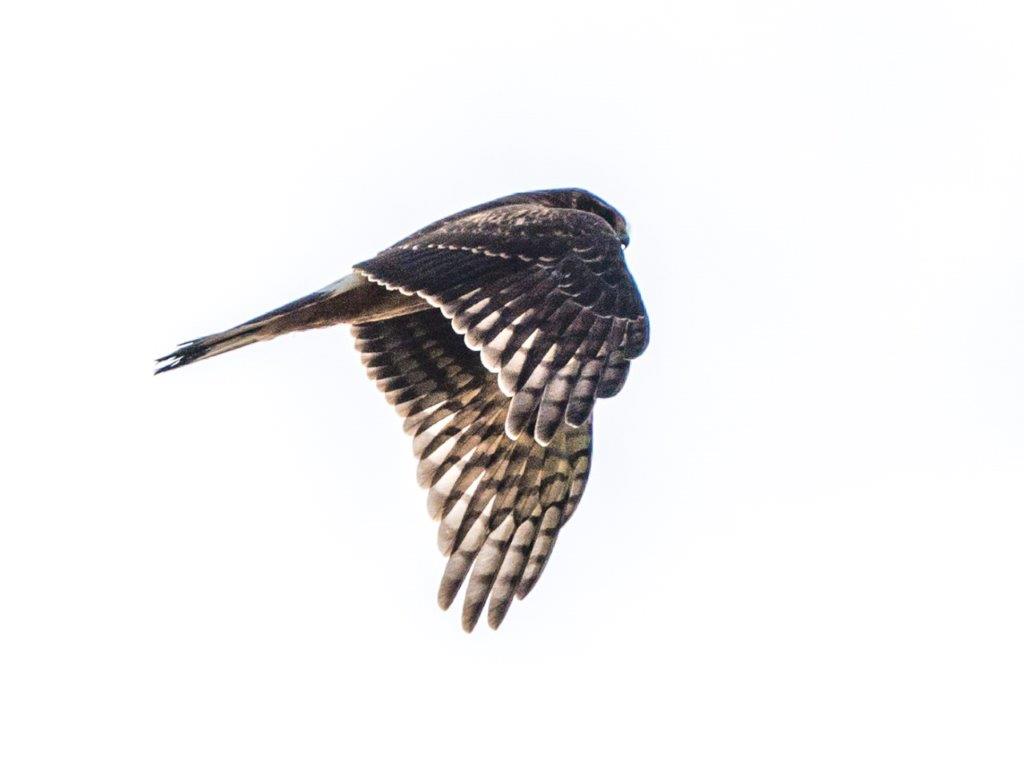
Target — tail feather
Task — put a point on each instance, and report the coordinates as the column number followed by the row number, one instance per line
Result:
column 209, row 346
column 352, row 300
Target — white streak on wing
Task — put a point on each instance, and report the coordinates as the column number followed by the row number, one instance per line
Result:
column 509, row 372
column 440, row 491
column 522, row 316
column 426, row 436
column 448, row 309
column 462, row 320
column 414, row 420
column 490, row 355
column 474, row 333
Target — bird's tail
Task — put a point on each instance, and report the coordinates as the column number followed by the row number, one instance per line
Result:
column 352, row 300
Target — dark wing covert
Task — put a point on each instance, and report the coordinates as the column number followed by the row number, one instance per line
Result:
column 542, row 293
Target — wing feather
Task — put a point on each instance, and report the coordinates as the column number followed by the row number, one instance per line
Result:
column 500, row 501
column 543, row 294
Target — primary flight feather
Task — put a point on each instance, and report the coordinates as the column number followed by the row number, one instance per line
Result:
column 492, row 332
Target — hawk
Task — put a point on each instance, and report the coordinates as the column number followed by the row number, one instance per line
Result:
column 492, row 332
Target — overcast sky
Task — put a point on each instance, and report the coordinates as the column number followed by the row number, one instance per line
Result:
column 802, row 535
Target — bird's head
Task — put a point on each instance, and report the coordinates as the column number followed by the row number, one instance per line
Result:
column 582, row 200
column 570, row 197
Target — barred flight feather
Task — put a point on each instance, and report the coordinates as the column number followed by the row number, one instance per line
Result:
column 491, row 493
column 529, row 316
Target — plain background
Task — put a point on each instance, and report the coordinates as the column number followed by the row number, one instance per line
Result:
column 803, row 532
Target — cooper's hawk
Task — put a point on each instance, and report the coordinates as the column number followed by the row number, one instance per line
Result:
column 492, row 332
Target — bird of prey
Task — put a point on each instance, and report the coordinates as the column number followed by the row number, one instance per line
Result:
column 492, row 332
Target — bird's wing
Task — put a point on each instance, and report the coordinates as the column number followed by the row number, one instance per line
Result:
column 500, row 501
column 542, row 293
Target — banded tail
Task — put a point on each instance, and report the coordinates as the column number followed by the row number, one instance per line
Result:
column 351, row 300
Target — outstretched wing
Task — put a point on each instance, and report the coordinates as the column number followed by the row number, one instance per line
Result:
column 542, row 293
column 500, row 501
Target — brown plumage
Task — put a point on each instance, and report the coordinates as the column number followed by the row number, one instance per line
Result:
column 492, row 332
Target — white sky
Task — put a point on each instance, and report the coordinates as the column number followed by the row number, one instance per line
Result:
column 803, row 532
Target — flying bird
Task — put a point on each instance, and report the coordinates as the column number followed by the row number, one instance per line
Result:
column 492, row 332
